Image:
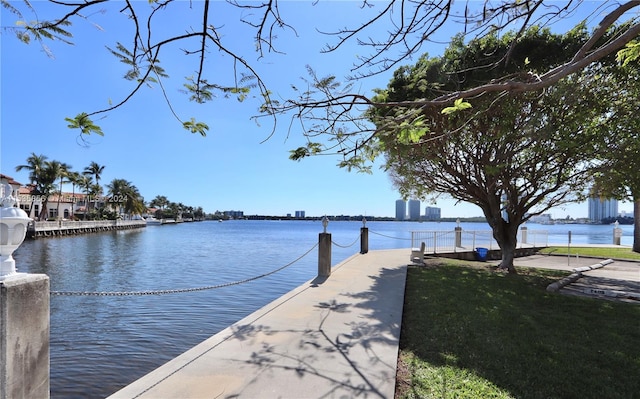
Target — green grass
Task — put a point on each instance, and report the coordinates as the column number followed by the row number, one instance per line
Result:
column 471, row 332
column 599, row 252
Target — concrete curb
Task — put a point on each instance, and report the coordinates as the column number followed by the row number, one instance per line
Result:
column 555, row 287
column 593, row 267
column 572, row 278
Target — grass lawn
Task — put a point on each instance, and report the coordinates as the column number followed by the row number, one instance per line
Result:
column 471, row 332
column 603, row 252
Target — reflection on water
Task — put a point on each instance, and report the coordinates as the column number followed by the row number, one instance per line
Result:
column 101, row 343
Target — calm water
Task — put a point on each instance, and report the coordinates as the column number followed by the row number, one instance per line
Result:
column 101, row 343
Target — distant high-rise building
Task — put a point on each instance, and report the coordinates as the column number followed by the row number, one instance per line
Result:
column 432, row 213
column 234, row 214
column 300, row 214
column 401, row 209
column 414, row 210
column 602, row 209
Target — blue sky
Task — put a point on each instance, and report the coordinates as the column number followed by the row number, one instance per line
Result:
column 230, row 169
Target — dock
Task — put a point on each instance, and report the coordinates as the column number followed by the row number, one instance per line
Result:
column 68, row 227
column 335, row 337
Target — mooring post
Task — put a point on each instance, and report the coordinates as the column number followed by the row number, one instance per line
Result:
column 364, row 237
column 24, row 312
column 324, row 251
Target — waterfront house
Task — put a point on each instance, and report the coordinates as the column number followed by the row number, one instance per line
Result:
column 15, row 186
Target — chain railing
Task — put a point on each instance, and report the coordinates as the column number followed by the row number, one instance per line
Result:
column 347, row 246
column 181, row 290
column 387, row 236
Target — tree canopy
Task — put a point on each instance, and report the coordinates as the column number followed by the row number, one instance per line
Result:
column 620, row 153
column 389, row 34
column 515, row 155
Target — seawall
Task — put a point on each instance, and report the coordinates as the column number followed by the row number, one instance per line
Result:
column 67, row 228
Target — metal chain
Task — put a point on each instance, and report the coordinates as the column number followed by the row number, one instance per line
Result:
column 177, row 291
column 395, row 238
column 345, row 246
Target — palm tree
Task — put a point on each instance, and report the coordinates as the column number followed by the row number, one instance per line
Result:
column 134, row 202
column 95, row 170
column 116, row 192
column 63, row 173
column 75, row 178
column 46, row 185
column 35, row 165
column 85, row 183
column 124, row 194
column 159, row 201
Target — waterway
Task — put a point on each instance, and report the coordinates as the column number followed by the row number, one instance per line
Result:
column 101, row 343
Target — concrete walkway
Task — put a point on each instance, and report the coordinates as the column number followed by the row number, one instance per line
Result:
column 332, row 338
column 619, row 281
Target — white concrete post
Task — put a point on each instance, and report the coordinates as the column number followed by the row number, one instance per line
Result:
column 24, row 313
column 524, row 232
column 617, row 233
column 458, row 235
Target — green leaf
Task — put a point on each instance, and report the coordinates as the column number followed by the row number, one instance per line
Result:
column 306, row 151
column 458, row 105
column 196, row 127
column 84, row 123
column 630, row 53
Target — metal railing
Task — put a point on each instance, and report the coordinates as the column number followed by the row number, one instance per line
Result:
column 468, row 240
column 92, row 224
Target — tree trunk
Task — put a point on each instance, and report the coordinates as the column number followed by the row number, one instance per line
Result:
column 44, row 211
column 636, row 225
column 506, row 235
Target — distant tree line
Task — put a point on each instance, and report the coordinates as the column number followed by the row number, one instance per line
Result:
column 621, row 220
column 117, row 199
column 175, row 210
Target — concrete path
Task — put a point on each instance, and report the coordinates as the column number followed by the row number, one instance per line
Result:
column 332, row 338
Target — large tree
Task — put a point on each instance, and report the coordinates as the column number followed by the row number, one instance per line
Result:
column 620, row 176
column 389, row 34
column 514, row 155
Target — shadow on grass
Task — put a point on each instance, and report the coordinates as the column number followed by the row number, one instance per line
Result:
column 522, row 340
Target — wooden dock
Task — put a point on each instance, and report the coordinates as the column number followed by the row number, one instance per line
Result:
column 67, row 227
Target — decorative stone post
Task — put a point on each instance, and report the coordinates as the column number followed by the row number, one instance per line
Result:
column 364, row 237
column 617, row 233
column 324, row 251
column 524, row 235
column 24, row 312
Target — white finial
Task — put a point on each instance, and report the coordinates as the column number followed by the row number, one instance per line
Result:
column 6, row 199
